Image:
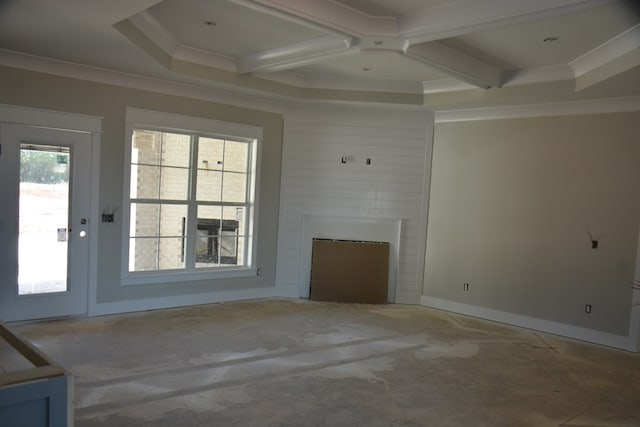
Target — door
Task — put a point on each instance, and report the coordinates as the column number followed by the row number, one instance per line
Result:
column 45, row 177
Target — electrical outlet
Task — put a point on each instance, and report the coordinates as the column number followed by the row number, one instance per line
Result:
column 587, row 308
column 465, row 287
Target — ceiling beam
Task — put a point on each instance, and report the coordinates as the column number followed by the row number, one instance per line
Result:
column 457, row 64
column 613, row 57
column 296, row 55
column 619, row 65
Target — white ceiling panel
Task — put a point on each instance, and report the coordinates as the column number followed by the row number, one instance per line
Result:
column 522, row 46
column 77, row 31
column 390, row 8
column 238, row 30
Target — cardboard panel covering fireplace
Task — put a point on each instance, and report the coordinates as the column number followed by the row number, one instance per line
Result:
column 349, row 271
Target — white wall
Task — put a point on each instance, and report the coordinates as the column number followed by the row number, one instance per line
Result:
column 316, row 184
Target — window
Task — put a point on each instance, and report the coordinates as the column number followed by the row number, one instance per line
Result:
column 191, row 192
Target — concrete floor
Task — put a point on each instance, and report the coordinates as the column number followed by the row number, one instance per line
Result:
column 301, row 363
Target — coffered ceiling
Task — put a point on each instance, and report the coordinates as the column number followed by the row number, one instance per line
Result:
column 415, row 52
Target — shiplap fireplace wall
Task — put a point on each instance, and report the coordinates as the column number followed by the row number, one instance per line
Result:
column 329, row 189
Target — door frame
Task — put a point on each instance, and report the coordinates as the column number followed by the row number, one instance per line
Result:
column 18, row 115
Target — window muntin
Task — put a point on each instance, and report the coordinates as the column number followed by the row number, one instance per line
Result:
column 190, row 202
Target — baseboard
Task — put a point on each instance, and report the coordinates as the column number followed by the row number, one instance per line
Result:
column 287, row 292
column 99, row 309
column 628, row 343
column 410, row 297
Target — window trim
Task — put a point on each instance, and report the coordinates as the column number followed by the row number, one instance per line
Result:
column 171, row 122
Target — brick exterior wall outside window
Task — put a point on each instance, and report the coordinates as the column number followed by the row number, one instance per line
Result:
column 161, row 196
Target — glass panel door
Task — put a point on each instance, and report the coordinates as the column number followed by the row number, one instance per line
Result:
column 45, row 207
column 43, row 242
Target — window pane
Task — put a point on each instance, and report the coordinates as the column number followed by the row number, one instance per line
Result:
column 206, row 250
column 43, row 218
column 228, row 248
column 236, row 156
column 210, row 153
column 143, row 254
column 144, row 219
column 146, row 147
column 171, row 253
column 176, row 149
column 174, row 184
column 209, row 186
column 231, row 249
column 217, row 241
column 173, row 220
column 207, row 231
column 144, row 182
column 210, row 212
column 234, row 187
column 228, row 237
column 236, row 216
column 152, row 254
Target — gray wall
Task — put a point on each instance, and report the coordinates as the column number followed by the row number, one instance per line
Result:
column 512, row 203
column 32, row 89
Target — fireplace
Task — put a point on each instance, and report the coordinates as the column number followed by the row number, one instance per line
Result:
column 385, row 230
column 349, row 271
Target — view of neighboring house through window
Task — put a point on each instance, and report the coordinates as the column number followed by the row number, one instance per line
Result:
column 190, row 201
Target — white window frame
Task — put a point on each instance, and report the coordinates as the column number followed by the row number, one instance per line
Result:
column 153, row 120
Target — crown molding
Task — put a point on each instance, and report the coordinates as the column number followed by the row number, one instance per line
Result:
column 345, row 83
column 569, row 108
column 204, row 57
column 134, row 81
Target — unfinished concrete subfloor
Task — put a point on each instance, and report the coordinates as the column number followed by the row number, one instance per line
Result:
column 301, row 363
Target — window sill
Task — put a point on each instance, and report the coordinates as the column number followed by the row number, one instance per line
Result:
column 169, row 276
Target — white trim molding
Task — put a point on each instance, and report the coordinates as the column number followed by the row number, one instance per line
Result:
column 137, row 118
column 47, row 118
column 128, row 306
column 76, row 123
column 628, row 343
column 569, row 108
